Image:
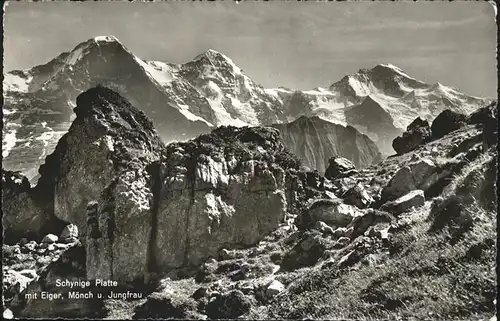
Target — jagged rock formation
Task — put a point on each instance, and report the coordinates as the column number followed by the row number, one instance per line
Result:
column 211, row 187
column 332, row 212
column 104, row 158
column 314, row 140
column 142, row 209
column 186, row 100
column 416, row 134
column 109, row 141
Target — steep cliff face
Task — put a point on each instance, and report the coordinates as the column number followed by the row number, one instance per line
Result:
column 315, row 140
column 226, row 188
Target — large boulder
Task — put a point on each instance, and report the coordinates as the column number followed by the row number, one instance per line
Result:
column 487, row 117
column 414, row 198
column 219, row 190
column 420, row 174
column 416, row 134
column 339, row 167
column 446, row 122
column 119, row 239
column 142, row 208
column 332, row 212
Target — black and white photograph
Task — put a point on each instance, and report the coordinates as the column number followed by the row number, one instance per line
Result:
column 250, row 160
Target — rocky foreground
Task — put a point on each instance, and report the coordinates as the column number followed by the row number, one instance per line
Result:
column 231, row 225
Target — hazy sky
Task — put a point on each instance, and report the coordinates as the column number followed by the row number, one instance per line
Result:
column 293, row 44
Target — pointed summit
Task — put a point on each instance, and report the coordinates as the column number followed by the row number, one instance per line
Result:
column 389, row 66
column 109, row 38
column 216, row 59
column 211, row 54
column 94, row 45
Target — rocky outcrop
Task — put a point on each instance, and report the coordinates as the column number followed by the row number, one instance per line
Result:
column 416, row 134
column 339, row 167
column 314, row 140
column 104, row 159
column 24, row 214
column 108, row 143
column 370, row 218
column 446, row 122
column 211, row 188
column 142, row 209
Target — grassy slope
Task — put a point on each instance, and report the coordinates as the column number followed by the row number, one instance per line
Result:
column 421, row 274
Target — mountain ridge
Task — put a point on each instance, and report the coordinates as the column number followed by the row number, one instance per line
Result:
column 185, row 100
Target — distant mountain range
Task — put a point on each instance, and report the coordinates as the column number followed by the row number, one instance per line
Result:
column 186, row 100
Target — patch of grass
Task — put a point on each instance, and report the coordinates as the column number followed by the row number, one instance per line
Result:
column 428, row 279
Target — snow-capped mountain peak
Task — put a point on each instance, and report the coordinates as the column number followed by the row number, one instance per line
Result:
column 211, row 54
column 390, row 71
column 218, row 60
column 188, row 99
column 109, row 38
column 92, row 45
column 391, row 67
